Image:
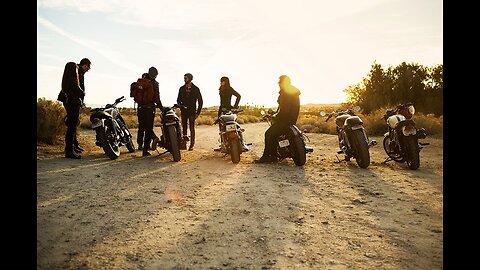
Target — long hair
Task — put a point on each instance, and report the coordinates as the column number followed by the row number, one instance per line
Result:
column 70, row 73
column 227, row 83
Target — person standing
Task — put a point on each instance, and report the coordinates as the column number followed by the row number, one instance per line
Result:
column 83, row 67
column 287, row 114
column 188, row 96
column 146, row 111
column 74, row 100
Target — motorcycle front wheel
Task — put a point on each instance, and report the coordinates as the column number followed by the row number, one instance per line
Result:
column 106, row 136
column 174, row 147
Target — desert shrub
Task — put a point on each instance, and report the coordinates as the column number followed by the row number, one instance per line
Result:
column 50, row 120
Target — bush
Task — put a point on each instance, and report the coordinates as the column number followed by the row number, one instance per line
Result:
column 50, row 121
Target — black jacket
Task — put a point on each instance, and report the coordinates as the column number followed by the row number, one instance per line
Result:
column 156, row 92
column 288, row 105
column 75, row 94
column 190, row 99
column 226, row 98
column 81, row 78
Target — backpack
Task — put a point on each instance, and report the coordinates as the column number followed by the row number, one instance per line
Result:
column 142, row 91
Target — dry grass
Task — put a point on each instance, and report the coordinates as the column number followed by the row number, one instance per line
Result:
column 50, row 119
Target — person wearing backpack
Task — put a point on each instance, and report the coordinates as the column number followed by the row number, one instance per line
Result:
column 188, row 96
column 146, row 93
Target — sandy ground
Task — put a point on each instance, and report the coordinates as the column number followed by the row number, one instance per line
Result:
column 205, row 212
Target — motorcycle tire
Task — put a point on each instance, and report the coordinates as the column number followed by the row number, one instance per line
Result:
column 130, row 146
column 360, row 145
column 412, row 153
column 105, row 136
column 299, row 153
column 390, row 152
column 235, row 150
column 174, row 146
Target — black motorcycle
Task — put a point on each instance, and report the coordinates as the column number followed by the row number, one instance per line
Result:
column 352, row 138
column 401, row 141
column 291, row 143
column 231, row 134
column 171, row 138
column 111, row 130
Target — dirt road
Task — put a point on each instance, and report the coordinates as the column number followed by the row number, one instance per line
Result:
column 206, row 213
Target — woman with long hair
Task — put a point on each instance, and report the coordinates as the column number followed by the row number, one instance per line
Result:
column 75, row 94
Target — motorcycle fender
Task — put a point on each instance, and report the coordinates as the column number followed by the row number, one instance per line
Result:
column 170, row 123
column 99, row 123
column 409, row 131
column 386, row 134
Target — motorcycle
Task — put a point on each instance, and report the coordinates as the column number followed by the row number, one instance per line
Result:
column 171, row 138
column 352, row 138
column 401, row 141
column 291, row 143
column 231, row 134
column 111, row 130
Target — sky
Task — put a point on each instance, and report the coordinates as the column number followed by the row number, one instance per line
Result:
column 323, row 46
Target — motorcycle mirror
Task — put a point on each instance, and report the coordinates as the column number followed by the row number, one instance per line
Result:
column 270, row 111
column 322, row 113
column 262, row 112
column 356, row 108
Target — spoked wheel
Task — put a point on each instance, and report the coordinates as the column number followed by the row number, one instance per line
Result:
column 106, row 135
column 391, row 153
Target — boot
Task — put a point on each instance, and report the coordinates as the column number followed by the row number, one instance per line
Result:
column 70, row 153
column 145, row 152
column 78, row 149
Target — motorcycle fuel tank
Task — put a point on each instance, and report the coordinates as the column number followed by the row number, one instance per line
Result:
column 394, row 119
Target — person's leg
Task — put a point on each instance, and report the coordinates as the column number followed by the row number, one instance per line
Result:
column 141, row 129
column 191, row 120
column 72, row 118
column 271, row 138
column 148, row 118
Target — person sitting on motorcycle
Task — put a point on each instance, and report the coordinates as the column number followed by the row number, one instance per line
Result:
column 226, row 92
column 286, row 115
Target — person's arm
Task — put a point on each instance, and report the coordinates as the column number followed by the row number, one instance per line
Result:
column 156, row 91
column 180, row 96
column 200, row 102
column 238, row 97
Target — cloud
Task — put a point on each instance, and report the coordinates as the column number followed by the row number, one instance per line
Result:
column 112, row 55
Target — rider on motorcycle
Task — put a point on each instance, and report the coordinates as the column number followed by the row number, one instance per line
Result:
column 286, row 115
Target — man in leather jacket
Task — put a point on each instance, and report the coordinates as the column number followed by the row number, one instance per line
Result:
column 287, row 114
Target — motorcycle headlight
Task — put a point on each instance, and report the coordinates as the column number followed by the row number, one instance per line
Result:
column 411, row 109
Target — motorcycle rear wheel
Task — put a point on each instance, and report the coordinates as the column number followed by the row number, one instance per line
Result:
column 362, row 155
column 130, row 146
column 174, row 147
column 299, row 153
column 413, row 154
column 235, row 150
column 105, row 135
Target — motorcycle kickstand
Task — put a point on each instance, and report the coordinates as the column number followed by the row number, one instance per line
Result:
column 159, row 154
column 338, row 159
column 386, row 160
